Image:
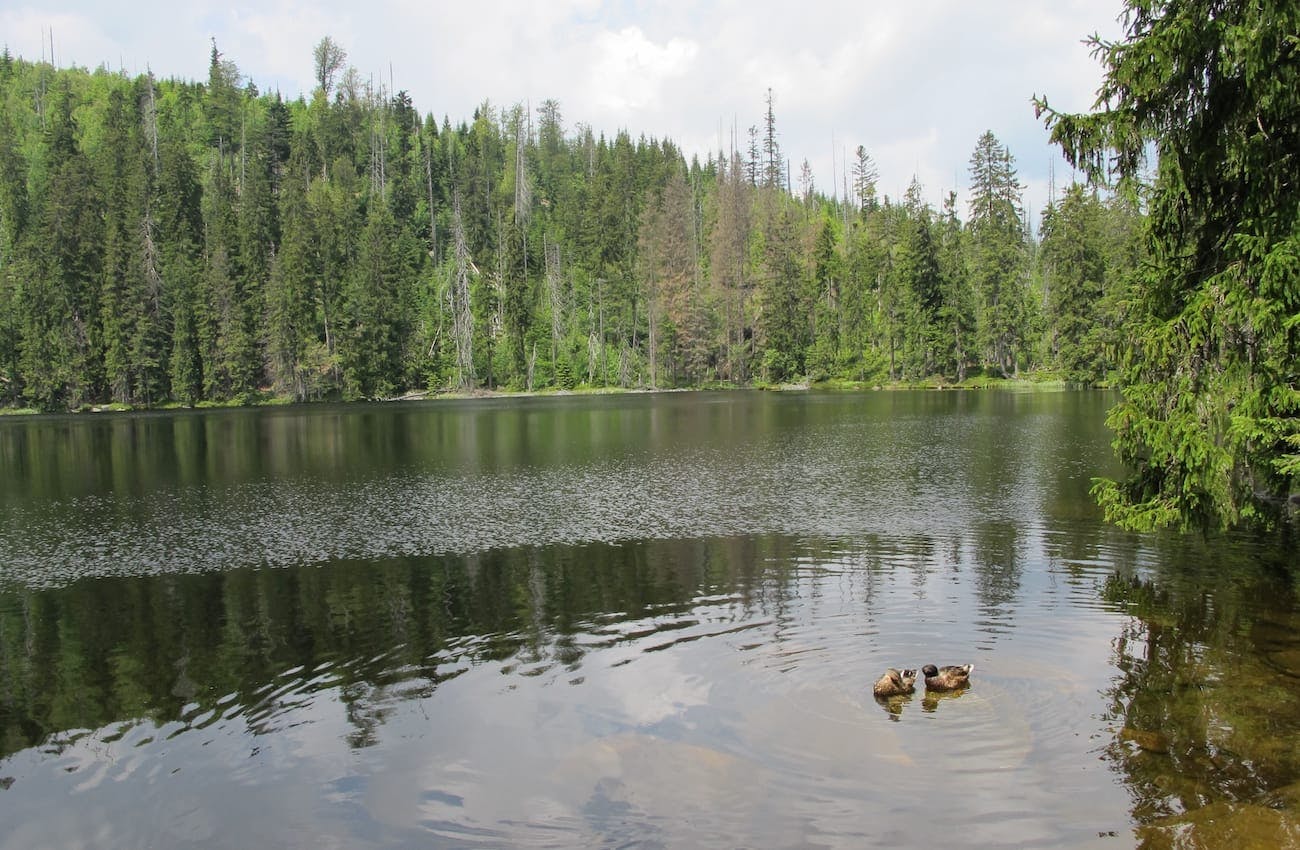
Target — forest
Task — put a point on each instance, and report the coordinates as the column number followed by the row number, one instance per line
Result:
column 170, row 242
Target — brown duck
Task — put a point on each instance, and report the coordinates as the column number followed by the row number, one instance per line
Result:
column 950, row 678
column 895, row 683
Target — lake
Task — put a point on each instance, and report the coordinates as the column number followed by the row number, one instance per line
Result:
column 647, row 620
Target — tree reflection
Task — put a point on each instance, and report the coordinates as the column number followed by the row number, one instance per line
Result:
column 1206, row 705
column 168, row 648
column 998, row 565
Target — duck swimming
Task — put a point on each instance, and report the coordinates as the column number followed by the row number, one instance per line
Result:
column 895, row 683
column 950, row 678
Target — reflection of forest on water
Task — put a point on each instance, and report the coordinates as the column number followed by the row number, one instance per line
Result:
column 172, row 648
column 1204, row 708
column 808, row 543
column 1206, row 704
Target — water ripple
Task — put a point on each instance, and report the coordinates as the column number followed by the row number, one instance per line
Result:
column 801, row 487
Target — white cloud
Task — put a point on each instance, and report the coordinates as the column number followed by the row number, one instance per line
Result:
column 281, row 37
column 655, row 689
column 629, row 70
column 74, row 37
column 901, row 159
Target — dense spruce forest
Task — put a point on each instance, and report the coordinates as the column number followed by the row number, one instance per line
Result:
column 165, row 241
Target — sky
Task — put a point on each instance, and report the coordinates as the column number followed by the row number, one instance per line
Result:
column 916, row 82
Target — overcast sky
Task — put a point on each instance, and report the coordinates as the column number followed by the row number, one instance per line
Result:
column 915, row 81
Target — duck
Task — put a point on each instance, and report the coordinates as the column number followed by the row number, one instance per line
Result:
column 950, row 678
column 895, row 683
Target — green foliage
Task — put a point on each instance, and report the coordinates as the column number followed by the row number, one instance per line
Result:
column 564, row 378
column 1074, row 275
column 368, row 344
column 783, row 324
column 956, row 315
column 173, row 242
column 999, row 260
column 1211, row 400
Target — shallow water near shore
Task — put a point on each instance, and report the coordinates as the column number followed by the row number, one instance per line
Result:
column 639, row 620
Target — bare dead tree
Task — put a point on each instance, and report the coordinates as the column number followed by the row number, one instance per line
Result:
column 376, row 104
column 153, row 283
column 523, row 186
column 433, row 219
column 150, row 121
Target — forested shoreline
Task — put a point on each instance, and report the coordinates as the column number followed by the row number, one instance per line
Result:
column 174, row 242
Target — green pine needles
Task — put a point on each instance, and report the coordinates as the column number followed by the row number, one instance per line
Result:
column 1209, row 91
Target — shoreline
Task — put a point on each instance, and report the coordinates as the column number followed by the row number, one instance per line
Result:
column 1022, row 384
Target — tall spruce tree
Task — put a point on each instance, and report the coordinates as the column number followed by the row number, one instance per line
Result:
column 957, row 301
column 225, row 331
column 1210, row 419
column 999, row 260
column 783, row 318
column 918, row 269
column 289, row 317
column 773, row 163
column 13, row 266
column 62, row 347
column 865, row 175
column 828, row 300
column 371, row 343
column 125, row 300
column 180, row 223
column 1074, row 278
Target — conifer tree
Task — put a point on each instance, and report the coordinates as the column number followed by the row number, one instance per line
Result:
column 828, row 300
column 957, row 309
column 289, row 311
column 773, row 164
column 180, row 237
column 783, row 323
column 678, row 327
column 371, row 345
column 865, row 175
column 999, row 262
column 62, row 347
column 1210, row 419
column 1074, row 272
column 130, row 284
column 13, row 267
column 222, row 101
column 729, row 268
column 917, row 265
column 228, row 345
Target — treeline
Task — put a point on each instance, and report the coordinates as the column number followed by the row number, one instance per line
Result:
column 172, row 241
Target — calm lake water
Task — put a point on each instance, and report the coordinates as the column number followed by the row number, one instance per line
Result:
column 626, row 621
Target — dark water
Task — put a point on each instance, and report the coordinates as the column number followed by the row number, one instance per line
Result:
column 634, row 621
